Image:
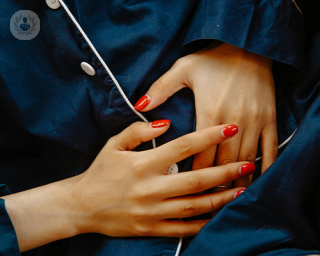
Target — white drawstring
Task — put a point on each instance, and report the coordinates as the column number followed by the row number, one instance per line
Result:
column 179, row 247
column 114, row 80
column 104, row 65
column 295, row 3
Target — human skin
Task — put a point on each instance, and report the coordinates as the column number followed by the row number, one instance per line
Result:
column 128, row 193
column 230, row 85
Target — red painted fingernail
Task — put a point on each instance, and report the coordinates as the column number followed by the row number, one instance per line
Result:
column 230, row 130
column 160, row 123
column 239, row 193
column 247, row 169
column 142, row 103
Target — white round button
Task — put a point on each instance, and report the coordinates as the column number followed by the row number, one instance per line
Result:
column 173, row 169
column 53, row 4
column 88, row 68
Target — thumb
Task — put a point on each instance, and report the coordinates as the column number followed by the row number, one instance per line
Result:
column 167, row 85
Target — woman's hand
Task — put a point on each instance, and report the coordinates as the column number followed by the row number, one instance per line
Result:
column 230, row 85
column 138, row 197
column 128, row 193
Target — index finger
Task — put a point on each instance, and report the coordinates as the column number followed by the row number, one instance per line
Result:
column 190, row 144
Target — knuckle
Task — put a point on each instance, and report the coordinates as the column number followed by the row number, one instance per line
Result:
column 139, row 194
column 202, row 161
column 255, row 113
column 212, row 137
column 137, row 166
column 189, row 209
column 195, row 184
column 249, row 156
column 237, row 117
column 182, row 146
column 255, row 116
column 112, row 140
column 138, row 213
column 142, row 230
column 231, row 174
column 273, row 150
column 134, row 128
column 226, row 161
column 271, row 114
column 183, row 62
column 159, row 87
column 211, row 114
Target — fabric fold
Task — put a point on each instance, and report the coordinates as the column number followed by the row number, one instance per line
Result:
column 274, row 29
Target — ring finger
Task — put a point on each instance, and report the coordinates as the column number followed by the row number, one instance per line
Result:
column 196, row 205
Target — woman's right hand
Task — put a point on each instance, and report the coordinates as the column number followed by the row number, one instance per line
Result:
column 128, row 193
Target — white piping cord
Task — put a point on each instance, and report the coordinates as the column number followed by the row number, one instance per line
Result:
column 179, row 247
column 114, row 81
column 297, row 6
column 104, row 65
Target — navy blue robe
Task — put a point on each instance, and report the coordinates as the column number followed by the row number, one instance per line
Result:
column 55, row 118
column 279, row 214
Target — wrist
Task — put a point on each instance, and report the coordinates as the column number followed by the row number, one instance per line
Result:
column 73, row 214
column 235, row 55
column 44, row 214
column 83, row 206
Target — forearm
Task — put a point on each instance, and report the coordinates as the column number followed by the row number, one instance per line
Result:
column 44, row 214
column 119, row 196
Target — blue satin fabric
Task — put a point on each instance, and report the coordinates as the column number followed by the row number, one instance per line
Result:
column 279, row 214
column 55, row 118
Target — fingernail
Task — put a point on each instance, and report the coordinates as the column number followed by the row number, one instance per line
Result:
column 238, row 193
column 160, row 123
column 247, row 169
column 142, row 103
column 230, row 130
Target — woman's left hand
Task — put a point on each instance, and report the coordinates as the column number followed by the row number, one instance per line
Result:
column 230, row 85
